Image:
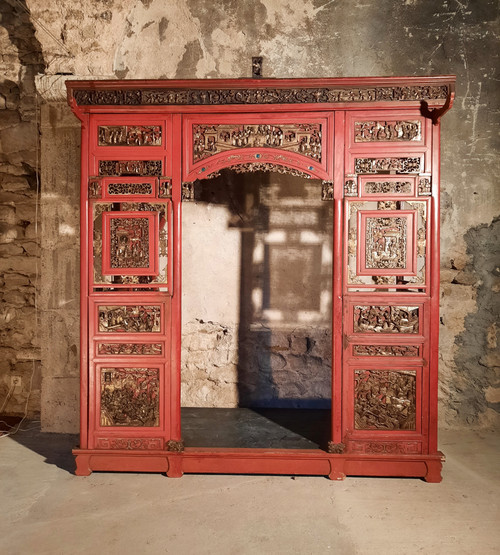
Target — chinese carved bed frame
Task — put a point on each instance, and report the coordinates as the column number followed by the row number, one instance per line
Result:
column 374, row 144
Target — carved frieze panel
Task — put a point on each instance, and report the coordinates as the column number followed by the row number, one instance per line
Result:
column 385, row 447
column 385, row 350
column 302, row 138
column 387, row 243
column 129, row 318
column 129, row 397
column 388, row 187
column 130, row 443
column 296, row 95
column 387, row 131
column 130, row 167
column 388, row 165
column 129, row 135
column 124, row 189
column 135, row 349
column 252, row 167
column 386, row 319
column 385, row 399
column 130, row 243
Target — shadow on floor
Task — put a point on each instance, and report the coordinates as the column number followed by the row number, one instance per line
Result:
column 56, row 448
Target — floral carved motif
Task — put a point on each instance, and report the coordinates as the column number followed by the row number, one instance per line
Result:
column 130, row 397
column 130, row 189
column 388, row 187
column 301, row 138
column 129, row 135
column 385, row 400
column 386, row 319
column 386, row 447
column 129, row 319
column 386, row 242
column 381, row 165
column 130, row 167
column 393, row 131
column 251, row 167
column 129, row 349
column 385, row 350
column 127, row 443
column 183, row 97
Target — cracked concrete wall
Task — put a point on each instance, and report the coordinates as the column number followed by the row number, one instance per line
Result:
column 316, row 38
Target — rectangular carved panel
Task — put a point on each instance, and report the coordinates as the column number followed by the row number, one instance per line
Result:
column 386, row 319
column 385, row 447
column 137, row 349
column 385, row 350
column 385, row 400
column 400, row 187
column 129, row 319
column 386, row 242
column 124, row 189
column 130, row 167
column 130, row 135
column 383, row 165
column 129, row 242
column 387, row 131
column 303, row 138
column 127, row 443
column 130, row 397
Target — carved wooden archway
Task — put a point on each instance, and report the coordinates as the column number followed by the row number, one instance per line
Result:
column 374, row 142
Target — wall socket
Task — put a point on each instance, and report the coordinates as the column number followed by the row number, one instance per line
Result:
column 16, row 383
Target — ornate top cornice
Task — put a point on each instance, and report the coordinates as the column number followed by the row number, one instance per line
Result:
column 259, row 92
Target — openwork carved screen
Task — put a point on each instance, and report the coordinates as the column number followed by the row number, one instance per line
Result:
column 130, row 397
column 387, row 131
column 386, row 319
column 130, row 135
column 385, row 400
column 387, row 242
column 130, row 244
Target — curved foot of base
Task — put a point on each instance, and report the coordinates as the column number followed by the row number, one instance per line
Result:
column 336, row 470
column 175, row 467
column 82, row 465
column 433, row 475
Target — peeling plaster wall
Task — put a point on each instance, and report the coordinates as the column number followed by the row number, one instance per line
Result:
column 299, row 38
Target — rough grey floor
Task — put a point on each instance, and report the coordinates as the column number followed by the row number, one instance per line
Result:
column 44, row 508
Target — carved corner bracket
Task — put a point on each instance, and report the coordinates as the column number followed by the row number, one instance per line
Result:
column 176, row 446
column 327, row 190
column 336, row 448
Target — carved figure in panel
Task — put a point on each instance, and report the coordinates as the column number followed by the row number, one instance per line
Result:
column 424, row 186
column 386, row 243
column 187, row 191
column 381, row 165
column 130, row 397
column 388, row 187
column 129, row 319
column 129, row 239
column 385, row 350
column 165, row 188
column 390, row 131
column 136, row 97
column 386, row 319
column 351, row 188
column 327, row 190
column 130, row 167
column 130, row 189
column 385, row 400
column 129, row 349
column 95, row 188
column 129, row 135
column 302, row 138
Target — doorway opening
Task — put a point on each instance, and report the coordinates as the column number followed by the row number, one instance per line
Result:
column 257, row 331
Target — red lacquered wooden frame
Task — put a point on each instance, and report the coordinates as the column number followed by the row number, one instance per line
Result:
column 380, row 143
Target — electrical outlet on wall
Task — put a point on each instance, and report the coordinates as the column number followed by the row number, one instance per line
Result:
column 16, row 383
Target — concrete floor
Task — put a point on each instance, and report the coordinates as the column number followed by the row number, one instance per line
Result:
column 45, row 509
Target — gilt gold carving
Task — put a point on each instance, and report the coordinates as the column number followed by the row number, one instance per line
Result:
column 129, row 135
column 296, row 95
column 385, row 400
column 187, row 191
column 251, row 167
column 129, row 349
column 129, row 318
column 336, row 448
column 130, row 189
column 385, row 350
column 129, row 242
column 303, row 138
column 130, row 167
column 130, row 397
column 128, row 443
column 424, row 186
column 327, row 190
column 388, row 187
column 390, row 131
column 95, row 189
column 387, row 165
column 386, row 243
column 351, row 188
column 165, row 188
column 386, row 319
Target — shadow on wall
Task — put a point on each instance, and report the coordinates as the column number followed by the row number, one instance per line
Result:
column 285, row 268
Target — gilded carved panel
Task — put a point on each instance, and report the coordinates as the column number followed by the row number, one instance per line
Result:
column 129, row 318
column 385, row 400
column 130, row 397
column 134, row 349
column 129, row 242
column 385, row 350
column 129, row 135
column 302, row 138
column 387, row 131
column 386, row 319
column 386, row 243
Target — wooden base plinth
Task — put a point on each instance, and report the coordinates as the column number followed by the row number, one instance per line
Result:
column 260, row 461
